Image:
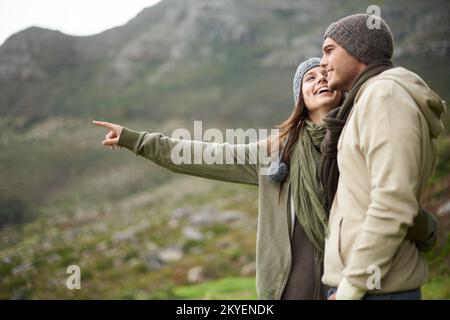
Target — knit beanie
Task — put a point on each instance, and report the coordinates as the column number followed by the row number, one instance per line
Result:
column 303, row 68
column 368, row 45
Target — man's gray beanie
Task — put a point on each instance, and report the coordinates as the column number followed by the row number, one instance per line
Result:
column 303, row 68
column 366, row 37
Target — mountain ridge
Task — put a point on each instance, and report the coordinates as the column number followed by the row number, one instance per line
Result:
column 197, row 50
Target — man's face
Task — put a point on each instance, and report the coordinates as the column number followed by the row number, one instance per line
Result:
column 341, row 67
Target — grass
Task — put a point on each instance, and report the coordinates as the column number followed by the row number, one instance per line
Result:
column 230, row 288
column 243, row 288
column 235, row 288
column 438, row 288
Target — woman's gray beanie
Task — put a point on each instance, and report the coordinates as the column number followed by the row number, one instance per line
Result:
column 303, row 68
column 366, row 37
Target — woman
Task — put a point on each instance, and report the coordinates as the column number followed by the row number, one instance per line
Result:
column 291, row 213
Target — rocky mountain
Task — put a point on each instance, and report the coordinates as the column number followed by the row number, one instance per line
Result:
column 180, row 58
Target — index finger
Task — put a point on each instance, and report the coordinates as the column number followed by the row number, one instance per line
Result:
column 103, row 124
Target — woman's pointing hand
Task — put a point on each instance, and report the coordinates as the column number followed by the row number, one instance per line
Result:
column 112, row 137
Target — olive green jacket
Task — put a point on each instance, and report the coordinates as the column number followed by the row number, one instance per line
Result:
column 273, row 250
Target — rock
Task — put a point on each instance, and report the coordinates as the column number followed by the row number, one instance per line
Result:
column 54, row 257
column 102, row 246
column 100, row 227
column 6, row 260
column 444, row 210
column 126, row 235
column 243, row 260
column 46, row 245
column 179, row 213
column 229, row 216
column 208, row 216
column 118, row 263
column 22, row 268
column 205, row 217
column 151, row 246
column 191, row 233
column 196, row 275
column 85, row 256
column 223, row 243
column 18, row 293
column 171, row 254
column 196, row 250
column 133, row 262
column 52, row 284
column 201, row 219
column 173, row 223
column 152, row 261
column 249, row 269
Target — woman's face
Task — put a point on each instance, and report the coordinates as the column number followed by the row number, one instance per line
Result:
column 317, row 96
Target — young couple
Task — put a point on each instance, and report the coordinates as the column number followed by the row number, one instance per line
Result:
column 343, row 203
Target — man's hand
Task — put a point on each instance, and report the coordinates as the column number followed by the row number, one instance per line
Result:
column 112, row 137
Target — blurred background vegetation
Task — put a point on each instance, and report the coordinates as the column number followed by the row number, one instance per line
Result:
column 136, row 230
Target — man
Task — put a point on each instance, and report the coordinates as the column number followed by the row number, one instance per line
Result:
column 385, row 137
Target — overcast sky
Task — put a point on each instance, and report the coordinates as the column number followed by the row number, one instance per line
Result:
column 74, row 17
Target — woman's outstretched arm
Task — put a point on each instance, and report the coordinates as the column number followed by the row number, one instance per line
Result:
column 219, row 161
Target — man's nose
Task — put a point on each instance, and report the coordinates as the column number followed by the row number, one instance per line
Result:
column 324, row 62
column 321, row 78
